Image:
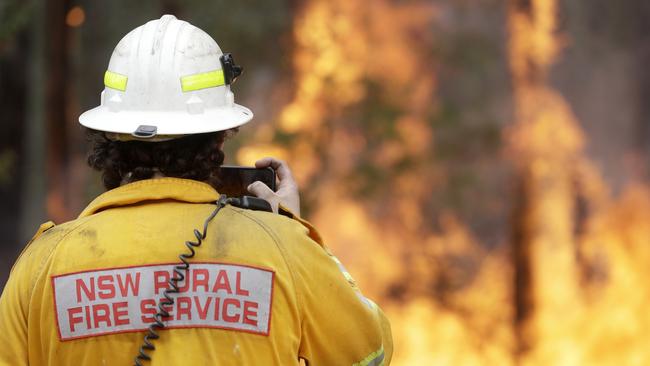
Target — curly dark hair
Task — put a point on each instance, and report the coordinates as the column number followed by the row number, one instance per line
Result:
column 196, row 157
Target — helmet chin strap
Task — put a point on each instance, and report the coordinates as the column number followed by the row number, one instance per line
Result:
column 142, row 133
column 114, row 136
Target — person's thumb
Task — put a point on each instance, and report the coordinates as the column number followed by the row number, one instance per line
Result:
column 261, row 190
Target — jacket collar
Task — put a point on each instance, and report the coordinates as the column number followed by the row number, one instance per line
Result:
column 177, row 189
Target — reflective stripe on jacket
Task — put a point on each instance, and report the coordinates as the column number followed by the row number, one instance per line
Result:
column 261, row 290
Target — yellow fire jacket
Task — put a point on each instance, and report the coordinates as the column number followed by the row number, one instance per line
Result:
column 261, row 290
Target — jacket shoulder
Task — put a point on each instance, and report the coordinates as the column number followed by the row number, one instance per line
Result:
column 284, row 229
column 43, row 243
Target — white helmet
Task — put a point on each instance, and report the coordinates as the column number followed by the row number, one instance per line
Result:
column 167, row 78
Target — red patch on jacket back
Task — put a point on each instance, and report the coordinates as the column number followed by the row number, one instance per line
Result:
column 117, row 300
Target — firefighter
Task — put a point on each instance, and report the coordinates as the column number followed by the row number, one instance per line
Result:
column 251, row 287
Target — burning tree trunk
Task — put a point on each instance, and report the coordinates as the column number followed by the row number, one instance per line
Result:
column 547, row 144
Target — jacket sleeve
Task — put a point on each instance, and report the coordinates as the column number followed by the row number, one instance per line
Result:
column 15, row 300
column 13, row 321
column 339, row 325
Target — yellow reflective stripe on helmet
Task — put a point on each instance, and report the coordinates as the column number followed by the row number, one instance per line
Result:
column 204, row 80
column 374, row 359
column 115, row 81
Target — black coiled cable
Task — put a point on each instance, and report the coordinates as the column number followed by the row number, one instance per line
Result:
column 172, row 286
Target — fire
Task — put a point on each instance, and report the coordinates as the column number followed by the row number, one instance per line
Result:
column 614, row 326
column 568, row 289
column 549, row 145
column 560, row 322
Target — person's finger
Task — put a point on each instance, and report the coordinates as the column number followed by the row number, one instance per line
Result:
column 264, row 162
column 280, row 167
column 261, row 190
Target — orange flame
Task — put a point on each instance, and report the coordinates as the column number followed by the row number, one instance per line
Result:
column 567, row 325
column 548, row 143
column 552, row 297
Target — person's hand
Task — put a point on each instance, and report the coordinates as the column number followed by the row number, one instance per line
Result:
column 287, row 192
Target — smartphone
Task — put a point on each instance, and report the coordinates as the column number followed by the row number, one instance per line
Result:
column 234, row 180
